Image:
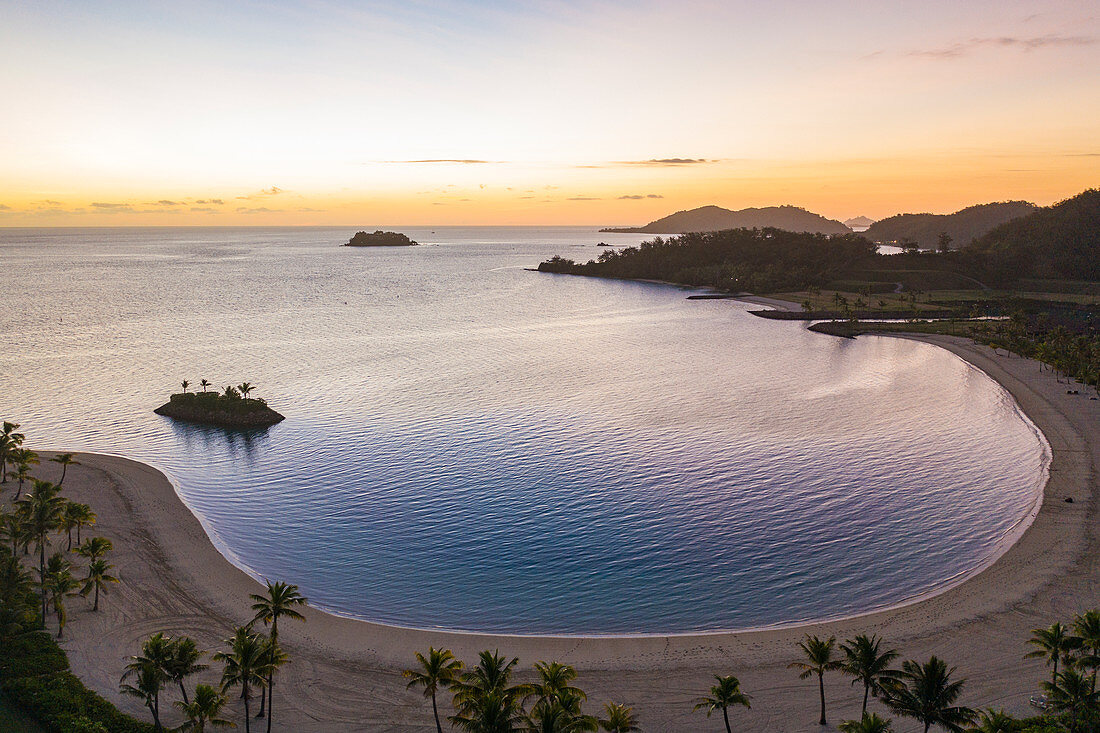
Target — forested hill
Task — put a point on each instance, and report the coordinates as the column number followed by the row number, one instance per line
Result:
column 757, row 260
column 1060, row 242
column 715, row 218
column 963, row 226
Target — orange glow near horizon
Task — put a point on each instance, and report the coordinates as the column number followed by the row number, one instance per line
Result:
column 600, row 113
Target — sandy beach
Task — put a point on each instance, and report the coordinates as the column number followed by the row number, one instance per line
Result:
column 345, row 674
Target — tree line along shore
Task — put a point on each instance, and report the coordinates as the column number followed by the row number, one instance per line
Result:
column 1031, row 285
column 42, row 548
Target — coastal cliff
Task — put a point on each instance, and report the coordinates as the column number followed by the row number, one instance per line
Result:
column 212, row 408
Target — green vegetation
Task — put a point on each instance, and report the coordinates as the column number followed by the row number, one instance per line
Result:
column 229, row 408
column 488, row 699
column 1054, row 244
column 37, row 690
column 380, row 239
column 735, row 260
column 961, row 228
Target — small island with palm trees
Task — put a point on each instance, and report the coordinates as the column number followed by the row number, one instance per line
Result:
column 230, row 408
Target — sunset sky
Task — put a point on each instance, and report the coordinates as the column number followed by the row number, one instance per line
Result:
column 579, row 112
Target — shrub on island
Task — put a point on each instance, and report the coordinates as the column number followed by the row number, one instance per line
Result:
column 380, row 239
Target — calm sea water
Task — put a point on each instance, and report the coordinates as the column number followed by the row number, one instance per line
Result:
column 471, row 445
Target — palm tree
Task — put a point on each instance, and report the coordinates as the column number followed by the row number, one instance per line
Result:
column 66, row 460
column 204, row 384
column 819, row 660
column 926, row 693
column 76, row 516
column 994, row 721
column 185, row 384
column 722, row 696
column 59, row 583
column 869, row 723
column 484, row 698
column 184, row 661
column 148, row 683
column 1087, row 626
column 558, row 702
column 94, row 548
column 554, row 682
column 206, row 708
column 281, row 600
column 9, row 441
column 17, row 597
column 245, row 665
column 620, row 719
column 439, row 668
column 561, row 714
column 491, row 711
column 1071, row 692
column 99, row 578
column 22, row 473
column 43, row 510
column 244, row 388
column 12, row 529
column 1054, row 642
column 868, row 663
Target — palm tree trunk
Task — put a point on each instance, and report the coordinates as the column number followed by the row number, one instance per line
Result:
column 244, row 694
column 866, row 692
column 183, row 691
column 64, row 468
column 821, row 688
column 263, row 703
column 435, row 712
column 156, row 712
column 42, row 574
column 270, row 699
column 726, row 717
column 70, row 547
column 95, row 606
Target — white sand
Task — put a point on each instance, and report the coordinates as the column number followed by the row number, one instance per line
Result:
column 345, row 674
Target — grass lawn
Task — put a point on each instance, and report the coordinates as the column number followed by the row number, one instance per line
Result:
column 13, row 721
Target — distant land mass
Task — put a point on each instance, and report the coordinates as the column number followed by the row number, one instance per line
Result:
column 859, row 223
column 1053, row 249
column 964, row 226
column 1060, row 242
column 380, row 239
column 715, row 218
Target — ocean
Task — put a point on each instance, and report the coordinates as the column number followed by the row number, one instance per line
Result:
column 471, row 445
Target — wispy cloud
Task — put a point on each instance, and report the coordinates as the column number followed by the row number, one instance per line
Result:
column 665, row 161
column 5, row 207
column 163, row 202
column 205, row 210
column 637, row 196
column 1031, row 43
column 102, row 205
column 257, row 210
column 217, row 202
column 461, row 161
column 582, row 198
column 263, row 193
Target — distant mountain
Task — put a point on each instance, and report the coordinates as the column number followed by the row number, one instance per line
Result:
column 859, row 223
column 715, row 218
column 1054, row 242
column 963, row 226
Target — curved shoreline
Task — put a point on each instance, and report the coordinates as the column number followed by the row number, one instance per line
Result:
column 176, row 580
